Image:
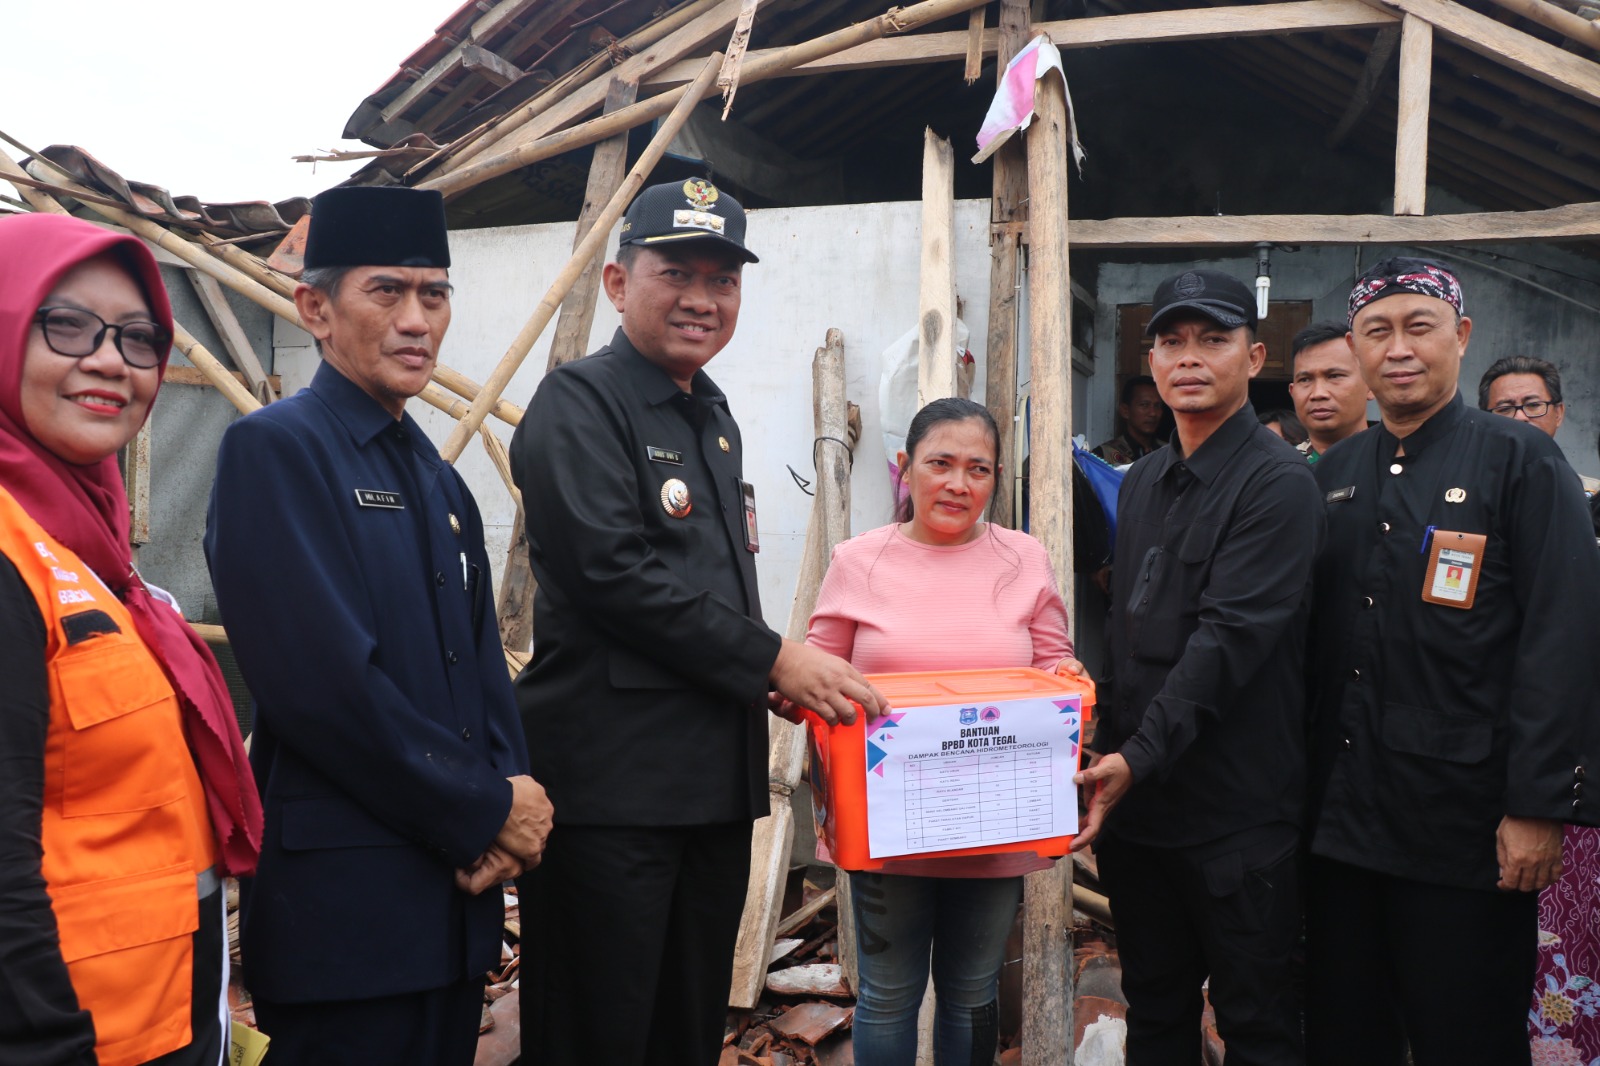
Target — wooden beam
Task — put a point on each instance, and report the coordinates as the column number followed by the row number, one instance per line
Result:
column 499, row 15
column 713, row 18
column 1047, row 1001
column 1411, row 133
column 772, row 841
column 1369, row 87
column 1296, row 16
column 501, row 376
column 974, row 45
column 188, row 375
column 606, row 171
column 1573, row 222
column 936, row 310
column 1543, row 62
column 756, row 68
column 232, row 333
column 1008, row 204
column 475, row 59
column 1574, row 27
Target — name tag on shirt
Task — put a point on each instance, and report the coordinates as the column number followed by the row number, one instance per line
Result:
column 1340, row 495
column 747, row 494
column 1454, row 563
column 380, row 498
column 663, row 455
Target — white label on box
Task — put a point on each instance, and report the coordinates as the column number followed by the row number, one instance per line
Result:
column 972, row 775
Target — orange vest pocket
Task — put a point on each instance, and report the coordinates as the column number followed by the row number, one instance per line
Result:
column 126, row 746
column 110, row 930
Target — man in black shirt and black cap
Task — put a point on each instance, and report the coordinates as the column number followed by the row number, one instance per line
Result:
column 1203, row 728
column 645, row 703
column 1454, row 699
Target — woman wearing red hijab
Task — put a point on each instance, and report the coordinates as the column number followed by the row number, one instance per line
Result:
column 124, row 791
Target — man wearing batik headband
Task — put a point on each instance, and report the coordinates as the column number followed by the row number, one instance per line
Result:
column 1452, row 722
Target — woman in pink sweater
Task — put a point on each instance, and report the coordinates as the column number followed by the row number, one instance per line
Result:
column 940, row 590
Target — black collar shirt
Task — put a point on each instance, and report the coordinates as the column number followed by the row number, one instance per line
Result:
column 1432, row 722
column 1210, row 603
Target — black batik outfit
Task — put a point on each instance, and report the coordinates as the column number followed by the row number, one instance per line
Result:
column 1431, row 722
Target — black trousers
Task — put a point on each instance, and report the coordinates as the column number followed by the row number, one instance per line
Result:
column 627, row 948
column 1392, row 960
column 438, row 1027
column 1230, row 914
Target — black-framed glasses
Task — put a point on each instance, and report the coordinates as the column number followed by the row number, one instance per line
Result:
column 74, row 332
column 1532, row 409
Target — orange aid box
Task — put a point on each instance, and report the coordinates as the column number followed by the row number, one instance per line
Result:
column 839, row 754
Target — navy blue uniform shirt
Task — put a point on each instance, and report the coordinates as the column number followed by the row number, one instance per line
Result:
column 350, row 571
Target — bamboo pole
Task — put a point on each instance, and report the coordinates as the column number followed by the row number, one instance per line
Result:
column 703, row 86
column 574, row 91
column 606, row 170
column 464, row 387
column 215, row 372
column 772, row 839
column 1575, row 27
column 1047, row 915
column 756, row 68
column 238, row 345
column 183, row 340
column 257, row 292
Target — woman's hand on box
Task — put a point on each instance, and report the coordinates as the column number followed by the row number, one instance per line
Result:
column 1070, row 667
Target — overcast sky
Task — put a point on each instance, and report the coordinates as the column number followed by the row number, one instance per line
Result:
column 209, row 98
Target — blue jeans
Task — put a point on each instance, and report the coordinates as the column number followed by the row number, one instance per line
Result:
column 964, row 920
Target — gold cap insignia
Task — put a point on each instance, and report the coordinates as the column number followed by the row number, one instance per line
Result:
column 700, row 192
column 675, row 498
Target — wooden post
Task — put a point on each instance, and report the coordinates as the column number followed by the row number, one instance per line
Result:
column 232, row 334
column 595, row 240
column 1047, row 910
column 773, row 839
column 606, row 171
column 1007, row 207
column 936, row 303
column 1411, row 131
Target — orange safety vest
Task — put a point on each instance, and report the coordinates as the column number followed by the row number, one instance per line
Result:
column 125, row 827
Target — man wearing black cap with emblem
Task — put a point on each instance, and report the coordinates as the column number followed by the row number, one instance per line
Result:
column 645, row 703
column 1454, row 699
column 1199, row 788
column 350, row 571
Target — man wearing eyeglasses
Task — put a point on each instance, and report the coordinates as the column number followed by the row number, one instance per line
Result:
column 1528, row 389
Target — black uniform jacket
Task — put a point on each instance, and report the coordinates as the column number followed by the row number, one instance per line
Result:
column 1431, row 722
column 385, row 726
column 645, row 701
column 1209, row 605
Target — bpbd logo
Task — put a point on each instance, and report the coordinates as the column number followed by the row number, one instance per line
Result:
column 990, row 714
column 969, row 716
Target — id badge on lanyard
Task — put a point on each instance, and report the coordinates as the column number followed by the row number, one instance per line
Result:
column 747, row 498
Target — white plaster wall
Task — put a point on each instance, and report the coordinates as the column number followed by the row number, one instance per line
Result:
column 852, row 267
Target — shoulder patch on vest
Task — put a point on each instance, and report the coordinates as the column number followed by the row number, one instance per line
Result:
column 80, row 627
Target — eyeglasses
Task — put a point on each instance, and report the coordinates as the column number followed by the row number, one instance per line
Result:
column 73, row 332
column 1533, row 408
